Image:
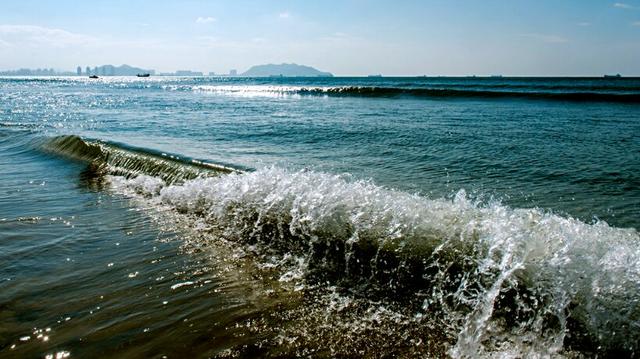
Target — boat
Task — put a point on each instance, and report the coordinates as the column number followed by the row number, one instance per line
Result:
column 143, row 75
column 377, row 75
column 94, row 77
column 616, row 76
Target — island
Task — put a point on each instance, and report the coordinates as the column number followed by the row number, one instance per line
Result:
column 284, row 70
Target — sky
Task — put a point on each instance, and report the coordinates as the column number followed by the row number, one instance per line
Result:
column 348, row 37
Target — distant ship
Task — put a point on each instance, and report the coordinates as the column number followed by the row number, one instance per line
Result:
column 378, row 75
column 616, row 76
column 94, row 77
column 143, row 75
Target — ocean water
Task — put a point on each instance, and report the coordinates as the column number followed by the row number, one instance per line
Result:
column 349, row 217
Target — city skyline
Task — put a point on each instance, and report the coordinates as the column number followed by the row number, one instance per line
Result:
column 545, row 38
column 107, row 70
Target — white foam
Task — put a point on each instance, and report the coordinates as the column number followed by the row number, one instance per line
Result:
column 144, row 185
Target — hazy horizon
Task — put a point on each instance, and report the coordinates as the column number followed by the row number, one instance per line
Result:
column 406, row 38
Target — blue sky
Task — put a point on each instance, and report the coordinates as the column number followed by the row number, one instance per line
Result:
column 350, row 37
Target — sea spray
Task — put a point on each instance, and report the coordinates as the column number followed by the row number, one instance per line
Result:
column 510, row 280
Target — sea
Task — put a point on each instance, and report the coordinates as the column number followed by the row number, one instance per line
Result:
column 230, row 217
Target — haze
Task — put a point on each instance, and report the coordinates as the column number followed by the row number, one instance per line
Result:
column 351, row 37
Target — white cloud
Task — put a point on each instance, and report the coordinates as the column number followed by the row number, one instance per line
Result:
column 635, row 23
column 622, row 5
column 284, row 15
column 205, row 20
column 32, row 35
column 551, row 39
column 584, row 23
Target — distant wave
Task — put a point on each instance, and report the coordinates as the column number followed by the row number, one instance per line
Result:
column 594, row 90
column 453, row 93
column 24, row 126
column 450, row 92
column 533, row 279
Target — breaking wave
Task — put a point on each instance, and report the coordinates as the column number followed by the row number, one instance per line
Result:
column 520, row 276
column 508, row 280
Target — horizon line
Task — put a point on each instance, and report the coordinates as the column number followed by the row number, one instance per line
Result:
column 168, row 74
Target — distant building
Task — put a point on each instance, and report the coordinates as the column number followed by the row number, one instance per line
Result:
column 105, row 70
column 36, row 72
column 188, row 73
column 211, row 73
column 233, row 72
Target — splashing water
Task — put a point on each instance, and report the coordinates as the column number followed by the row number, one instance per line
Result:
column 506, row 278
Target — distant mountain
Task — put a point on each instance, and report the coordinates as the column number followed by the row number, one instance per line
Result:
column 291, row 70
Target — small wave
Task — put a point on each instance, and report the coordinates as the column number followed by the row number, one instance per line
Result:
column 114, row 159
column 19, row 125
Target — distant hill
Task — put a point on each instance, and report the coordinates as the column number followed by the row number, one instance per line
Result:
column 291, row 70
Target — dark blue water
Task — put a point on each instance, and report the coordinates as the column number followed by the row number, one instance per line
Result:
column 452, row 199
